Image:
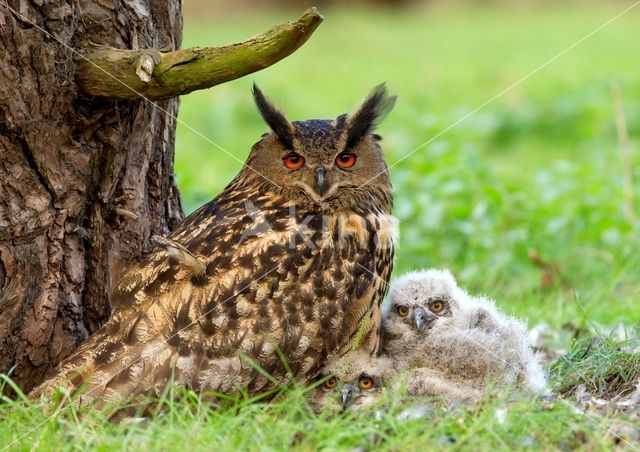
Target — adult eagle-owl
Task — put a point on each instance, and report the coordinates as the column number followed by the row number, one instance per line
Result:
column 283, row 270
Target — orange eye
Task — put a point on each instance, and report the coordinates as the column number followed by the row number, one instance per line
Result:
column 293, row 160
column 402, row 311
column 346, row 160
column 436, row 306
column 330, row 383
column 365, row 382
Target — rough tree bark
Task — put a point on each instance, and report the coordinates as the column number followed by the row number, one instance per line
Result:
column 84, row 182
column 66, row 164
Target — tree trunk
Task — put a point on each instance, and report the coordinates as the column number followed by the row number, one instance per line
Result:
column 87, row 180
column 84, row 183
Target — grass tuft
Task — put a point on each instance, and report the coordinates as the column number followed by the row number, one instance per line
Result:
column 608, row 368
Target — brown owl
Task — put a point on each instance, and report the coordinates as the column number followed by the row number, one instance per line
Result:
column 281, row 272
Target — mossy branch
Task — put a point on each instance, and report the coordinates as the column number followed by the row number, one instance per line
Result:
column 152, row 74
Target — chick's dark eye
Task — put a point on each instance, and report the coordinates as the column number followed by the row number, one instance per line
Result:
column 293, row 160
column 346, row 159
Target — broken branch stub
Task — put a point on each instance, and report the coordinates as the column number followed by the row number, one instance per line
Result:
column 182, row 255
column 151, row 74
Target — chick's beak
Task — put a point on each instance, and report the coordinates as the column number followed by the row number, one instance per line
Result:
column 423, row 319
column 321, row 180
column 347, row 396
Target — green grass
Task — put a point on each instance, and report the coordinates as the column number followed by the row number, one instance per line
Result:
column 192, row 423
column 537, row 172
column 605, row 366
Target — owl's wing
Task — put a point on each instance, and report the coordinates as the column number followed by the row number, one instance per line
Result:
column 142, row 350
column 170, row 323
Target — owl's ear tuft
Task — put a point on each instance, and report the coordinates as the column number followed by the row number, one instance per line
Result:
column 373, row 110
column 274, row 118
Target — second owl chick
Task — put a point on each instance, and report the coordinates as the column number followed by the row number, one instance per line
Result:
column 353, row 381
column 356, row 381
column 451, row 339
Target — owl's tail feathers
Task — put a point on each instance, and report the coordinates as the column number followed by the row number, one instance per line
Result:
column 71, row 372
column 69, row 384
column 114, row 373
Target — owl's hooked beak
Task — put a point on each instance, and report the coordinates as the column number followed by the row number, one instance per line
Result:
column 321, row 180
column 347, row 396
column 423, row 319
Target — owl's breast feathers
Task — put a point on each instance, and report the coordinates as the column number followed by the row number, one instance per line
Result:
column 279, row 281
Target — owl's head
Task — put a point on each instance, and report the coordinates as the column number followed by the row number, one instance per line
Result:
column 353, row 381
column 337, row 163
column 420, row 303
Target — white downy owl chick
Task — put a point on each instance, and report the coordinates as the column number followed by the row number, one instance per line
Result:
column 353, row 381
column 450, row 338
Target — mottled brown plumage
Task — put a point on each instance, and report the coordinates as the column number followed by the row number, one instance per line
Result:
column 295, row 261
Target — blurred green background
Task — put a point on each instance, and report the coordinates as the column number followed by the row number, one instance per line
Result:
column 524, row 198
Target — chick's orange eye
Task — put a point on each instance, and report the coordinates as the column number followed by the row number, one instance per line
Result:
column 402, row 311
column 436, row 306
column 346, row 160
column 293, row 160
column 365, row 382
column 330, row 383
